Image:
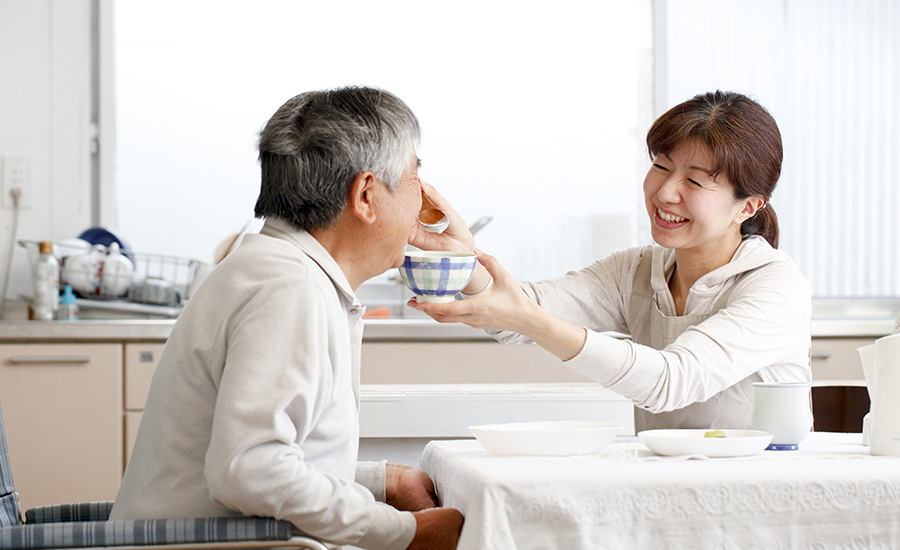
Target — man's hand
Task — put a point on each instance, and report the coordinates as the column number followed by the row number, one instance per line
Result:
column 409, row 488
column 437, row 529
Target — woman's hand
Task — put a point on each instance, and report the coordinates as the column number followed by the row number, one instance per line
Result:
column 505, row 306
column 456, row 237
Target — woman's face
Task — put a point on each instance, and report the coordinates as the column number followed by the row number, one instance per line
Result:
column 689, row 209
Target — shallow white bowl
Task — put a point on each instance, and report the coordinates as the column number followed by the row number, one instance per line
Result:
column 694, row 442
column 551, row 438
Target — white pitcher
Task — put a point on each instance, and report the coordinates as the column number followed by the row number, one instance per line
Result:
column 867, row 357
column 884, row 423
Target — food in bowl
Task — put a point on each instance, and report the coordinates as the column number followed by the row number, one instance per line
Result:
column 437, row 276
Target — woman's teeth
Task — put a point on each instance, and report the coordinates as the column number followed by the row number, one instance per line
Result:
column 669, row 217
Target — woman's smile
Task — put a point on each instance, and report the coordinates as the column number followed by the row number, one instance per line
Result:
column 668, row 220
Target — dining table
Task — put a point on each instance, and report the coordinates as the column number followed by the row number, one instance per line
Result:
column 829, row 493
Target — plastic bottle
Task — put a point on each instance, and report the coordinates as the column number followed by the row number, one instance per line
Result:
column 46, row 283
column 68, row 308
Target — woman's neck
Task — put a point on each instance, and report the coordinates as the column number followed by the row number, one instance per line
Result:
column 690, row 265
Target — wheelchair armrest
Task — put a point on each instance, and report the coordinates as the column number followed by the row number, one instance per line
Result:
column 65, row 513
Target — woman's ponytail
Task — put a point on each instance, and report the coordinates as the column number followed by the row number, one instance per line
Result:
column 764, row 224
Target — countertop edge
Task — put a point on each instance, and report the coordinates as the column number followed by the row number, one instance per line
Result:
column 382, row 330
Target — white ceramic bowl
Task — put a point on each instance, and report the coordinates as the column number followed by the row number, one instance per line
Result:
column 551, row 438
column 436, row 276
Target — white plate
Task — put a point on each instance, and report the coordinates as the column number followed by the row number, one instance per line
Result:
column 552, row 438
column 694, row 442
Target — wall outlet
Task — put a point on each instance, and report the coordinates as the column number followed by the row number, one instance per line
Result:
column 16, row 175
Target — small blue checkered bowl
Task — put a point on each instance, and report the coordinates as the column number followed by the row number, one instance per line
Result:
column 436, row 276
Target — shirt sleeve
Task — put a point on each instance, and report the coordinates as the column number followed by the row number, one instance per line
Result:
column 373, row 476
column 766, row 323
column 277, row 372
column 593, row 297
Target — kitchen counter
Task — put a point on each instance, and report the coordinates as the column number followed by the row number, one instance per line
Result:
column 421, row 330
column 148, row 330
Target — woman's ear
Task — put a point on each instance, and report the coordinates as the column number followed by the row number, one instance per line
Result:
column 363, row 198
column 751, row 207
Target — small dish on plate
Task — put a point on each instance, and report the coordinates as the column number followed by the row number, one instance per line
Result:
column 550, row 438
column 694, row 442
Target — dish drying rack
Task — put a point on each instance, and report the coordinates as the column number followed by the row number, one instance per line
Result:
column 151, row 272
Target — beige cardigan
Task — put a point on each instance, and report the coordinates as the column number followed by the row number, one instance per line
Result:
column 253, row 408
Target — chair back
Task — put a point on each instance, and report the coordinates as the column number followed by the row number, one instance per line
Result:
column 10, row 514
column 839, row 407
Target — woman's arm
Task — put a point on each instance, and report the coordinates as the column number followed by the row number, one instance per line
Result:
column 505, row 306
column 765, row 328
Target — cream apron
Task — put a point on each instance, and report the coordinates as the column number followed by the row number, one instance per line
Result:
column 731, row 408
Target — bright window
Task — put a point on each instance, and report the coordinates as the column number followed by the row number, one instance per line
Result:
column 533, row 114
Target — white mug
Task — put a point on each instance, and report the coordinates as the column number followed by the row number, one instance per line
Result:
column 117, row 273
column 82, row 271
column 783, row 409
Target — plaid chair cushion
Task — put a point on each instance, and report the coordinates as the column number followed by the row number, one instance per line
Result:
column 10, row 513
column 143, row 532
column 79, row 511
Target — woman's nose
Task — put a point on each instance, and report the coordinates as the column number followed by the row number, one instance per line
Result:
column 669, row 191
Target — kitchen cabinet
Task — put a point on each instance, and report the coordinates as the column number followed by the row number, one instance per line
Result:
column 486, row 362
column 837, row 359
column 62, row 408
column 140, row 363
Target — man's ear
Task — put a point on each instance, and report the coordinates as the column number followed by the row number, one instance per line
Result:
column 362, row 201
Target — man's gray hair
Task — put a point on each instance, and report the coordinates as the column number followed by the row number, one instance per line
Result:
column 315, row 145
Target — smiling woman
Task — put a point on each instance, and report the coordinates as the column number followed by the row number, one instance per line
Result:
column 710, row 310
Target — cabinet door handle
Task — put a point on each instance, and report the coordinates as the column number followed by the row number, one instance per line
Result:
column 72, row 359
column 821, row 355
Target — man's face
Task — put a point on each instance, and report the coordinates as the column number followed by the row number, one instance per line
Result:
column 401, row 211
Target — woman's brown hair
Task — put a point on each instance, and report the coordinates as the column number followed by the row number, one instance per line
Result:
column 744, row 140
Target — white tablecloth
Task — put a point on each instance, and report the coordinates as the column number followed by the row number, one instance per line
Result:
column 830, row 494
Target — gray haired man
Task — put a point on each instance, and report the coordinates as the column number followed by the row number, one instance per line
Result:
column 253, row 409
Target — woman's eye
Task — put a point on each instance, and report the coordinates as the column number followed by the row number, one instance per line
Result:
column 695, row 182
column 660, row 167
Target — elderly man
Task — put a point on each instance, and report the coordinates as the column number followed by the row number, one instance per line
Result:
column 253, row 409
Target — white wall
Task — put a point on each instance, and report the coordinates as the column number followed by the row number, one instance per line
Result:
column 45, row 116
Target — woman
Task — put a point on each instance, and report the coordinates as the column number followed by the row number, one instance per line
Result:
column 712, row 309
